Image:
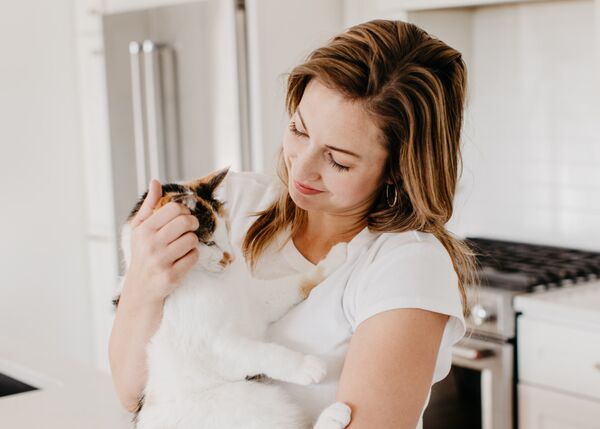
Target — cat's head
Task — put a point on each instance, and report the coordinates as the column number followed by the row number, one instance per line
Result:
column 199, row 196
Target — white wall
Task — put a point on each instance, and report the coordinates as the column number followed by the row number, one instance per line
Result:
column 532, row 131
column 44, row 295
column 539, row 178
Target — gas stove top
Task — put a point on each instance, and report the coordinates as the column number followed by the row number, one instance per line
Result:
column 525, row 267
column 510, row 268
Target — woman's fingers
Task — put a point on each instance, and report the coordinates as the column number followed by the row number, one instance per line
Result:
column 186, row 262
column 180, row 247
column 147, row 208
column 165, row 214
column 176, row 227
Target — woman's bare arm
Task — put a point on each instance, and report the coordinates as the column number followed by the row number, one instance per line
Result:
column 135, row 323
column 389, row 368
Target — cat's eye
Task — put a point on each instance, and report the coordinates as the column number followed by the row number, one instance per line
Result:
column 182, row 197
column 209, row 243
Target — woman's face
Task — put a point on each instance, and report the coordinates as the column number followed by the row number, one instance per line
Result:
column 331, row 145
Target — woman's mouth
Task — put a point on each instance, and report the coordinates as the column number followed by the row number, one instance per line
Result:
column 305, row 189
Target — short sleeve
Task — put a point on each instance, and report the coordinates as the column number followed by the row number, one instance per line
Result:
column 244, row 193
column 414, row 275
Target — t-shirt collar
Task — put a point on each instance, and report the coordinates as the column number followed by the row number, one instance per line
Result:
column 358, row 242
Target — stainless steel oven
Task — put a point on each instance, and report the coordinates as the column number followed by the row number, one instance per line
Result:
column 480, row 390
column 478, row 393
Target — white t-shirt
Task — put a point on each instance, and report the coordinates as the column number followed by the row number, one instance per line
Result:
column 383, row 271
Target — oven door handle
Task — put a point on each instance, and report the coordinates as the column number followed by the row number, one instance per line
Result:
column 472, row 353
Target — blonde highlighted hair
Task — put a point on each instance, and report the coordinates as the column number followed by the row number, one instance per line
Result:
column 413, row 86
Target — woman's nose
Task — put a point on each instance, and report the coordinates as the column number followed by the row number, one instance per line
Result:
column 307, row 165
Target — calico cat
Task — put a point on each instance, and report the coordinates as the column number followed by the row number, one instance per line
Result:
column 207, row 360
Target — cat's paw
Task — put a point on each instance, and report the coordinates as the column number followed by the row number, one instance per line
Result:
column 336, row 416
column 311, row 370
column 334, row 259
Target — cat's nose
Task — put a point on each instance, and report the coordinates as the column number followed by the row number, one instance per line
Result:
column 227, row 259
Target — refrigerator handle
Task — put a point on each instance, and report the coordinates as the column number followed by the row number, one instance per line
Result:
column 154, row 114
column 168, row 79
column 138, row 118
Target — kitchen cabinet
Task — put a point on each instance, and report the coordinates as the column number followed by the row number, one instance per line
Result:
column 441, row 4
column 100, row 236
column 558, row 351
column 96, row 154
column 546, row 346
column 362, row 10
column 114, row 6
column 541, row 408
column 88, row 16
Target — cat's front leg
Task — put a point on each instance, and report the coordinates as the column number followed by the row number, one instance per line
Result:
column 238, row 357
column 336, row 416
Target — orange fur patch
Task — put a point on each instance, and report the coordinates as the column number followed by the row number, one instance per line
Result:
column 225, row 260
column 165, row 199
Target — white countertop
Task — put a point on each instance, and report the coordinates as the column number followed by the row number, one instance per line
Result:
column 70, row 396
column 578, row 304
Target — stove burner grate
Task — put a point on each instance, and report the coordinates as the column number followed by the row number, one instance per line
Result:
column 526, row 267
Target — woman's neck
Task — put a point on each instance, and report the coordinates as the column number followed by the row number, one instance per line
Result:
column 320, row 233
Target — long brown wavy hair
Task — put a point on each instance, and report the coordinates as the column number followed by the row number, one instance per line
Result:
column 413, row 86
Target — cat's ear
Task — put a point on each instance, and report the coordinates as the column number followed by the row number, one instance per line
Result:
column 206, row 187
column 217, row 178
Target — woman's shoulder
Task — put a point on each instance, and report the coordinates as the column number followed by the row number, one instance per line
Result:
column 406, row 269
column 251, row 178
column 406, row 247
column 244, row 192
column 412, row 263
column 248, row 184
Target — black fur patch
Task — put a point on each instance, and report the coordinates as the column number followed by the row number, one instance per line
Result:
column 137, row 410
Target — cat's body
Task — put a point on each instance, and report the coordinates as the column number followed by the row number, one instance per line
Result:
column 211, row 338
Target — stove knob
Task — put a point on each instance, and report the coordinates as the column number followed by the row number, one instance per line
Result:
column 481, row 315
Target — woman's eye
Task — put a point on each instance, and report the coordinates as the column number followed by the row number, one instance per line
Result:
column 334, row 164
column 294, row 130
column 209, row 243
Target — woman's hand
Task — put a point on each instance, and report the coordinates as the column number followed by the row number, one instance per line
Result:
column 163, row 247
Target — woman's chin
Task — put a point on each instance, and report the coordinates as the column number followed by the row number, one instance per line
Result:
column 297, row 196
column 305, row 202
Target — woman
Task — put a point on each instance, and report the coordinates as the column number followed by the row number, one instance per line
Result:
column 370, row 158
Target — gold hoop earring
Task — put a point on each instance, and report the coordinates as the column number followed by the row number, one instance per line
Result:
column 387, row 196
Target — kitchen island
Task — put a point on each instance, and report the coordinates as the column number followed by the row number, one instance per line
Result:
column 68, row 395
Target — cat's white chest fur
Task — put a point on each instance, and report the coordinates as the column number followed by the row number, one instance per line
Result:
column 212, row 337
